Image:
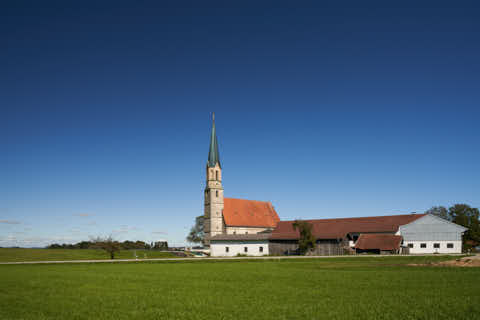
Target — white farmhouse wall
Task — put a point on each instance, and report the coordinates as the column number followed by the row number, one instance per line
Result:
column 429, row 230
column 417, row 249
column 218, row 248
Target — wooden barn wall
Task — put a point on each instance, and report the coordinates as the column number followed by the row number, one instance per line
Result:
column 282, row 247
column 323, row 247
column 328, row 248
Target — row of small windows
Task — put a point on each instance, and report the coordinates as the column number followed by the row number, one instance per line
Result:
column 245, row 249
column 435, row 245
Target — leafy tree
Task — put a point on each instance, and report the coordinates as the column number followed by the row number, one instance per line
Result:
column 197, row 234
column 307, row 240
column 468, row 217
column 440, row 211
column 161, row 245
column 108, row 244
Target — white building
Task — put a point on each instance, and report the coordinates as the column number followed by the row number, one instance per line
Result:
column 432, row 234
column 231, row 245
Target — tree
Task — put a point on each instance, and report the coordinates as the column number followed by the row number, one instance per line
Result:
column 440, row 211
column 161, row 245
column 197, row 234
column 108, row 244
column 468, row 217
column 307, row 240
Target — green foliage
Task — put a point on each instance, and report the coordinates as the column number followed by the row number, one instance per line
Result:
column 358, row 288
column 468, row 217
column 306, row 241
column 126, row 245
column 440, row 211
column 197, row 234
column 160, row 245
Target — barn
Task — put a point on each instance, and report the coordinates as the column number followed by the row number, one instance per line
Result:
column 432, row 234
column 410, row 233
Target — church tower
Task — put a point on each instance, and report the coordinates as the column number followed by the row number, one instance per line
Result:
column 213, row 221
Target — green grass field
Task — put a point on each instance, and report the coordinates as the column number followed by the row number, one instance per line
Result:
column 14, row 254
column 334, row 288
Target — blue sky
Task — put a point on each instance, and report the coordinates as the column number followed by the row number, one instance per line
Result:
column 324, row 110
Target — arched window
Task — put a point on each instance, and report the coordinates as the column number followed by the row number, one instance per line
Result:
column 216, row 193
column 216, row 174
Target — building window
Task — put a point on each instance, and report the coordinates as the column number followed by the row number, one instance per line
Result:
column 216, row 193
column 234, row 232
column 410, row 245
column 245, row 249
column 436, row 245
column 449, row 245
column 216, row 175
column 226, row 249
column 246, row 232
column 260, row 249
column 423, row 245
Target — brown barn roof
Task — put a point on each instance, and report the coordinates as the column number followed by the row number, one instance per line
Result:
column 338, row 228
column 249, row 213
column 387, row 242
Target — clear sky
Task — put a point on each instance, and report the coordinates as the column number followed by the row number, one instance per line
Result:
column 326, row 109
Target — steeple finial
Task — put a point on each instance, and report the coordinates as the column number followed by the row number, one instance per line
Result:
column 213, row 154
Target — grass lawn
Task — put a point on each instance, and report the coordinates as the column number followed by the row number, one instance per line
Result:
column 14, row 254
column 336, row 288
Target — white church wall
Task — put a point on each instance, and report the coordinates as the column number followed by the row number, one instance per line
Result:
column 233, row 248
column 245, row 230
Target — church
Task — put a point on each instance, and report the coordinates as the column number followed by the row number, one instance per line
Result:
column 250, row 227
column 230, row 218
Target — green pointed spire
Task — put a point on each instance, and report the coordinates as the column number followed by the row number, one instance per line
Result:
column 213, row 155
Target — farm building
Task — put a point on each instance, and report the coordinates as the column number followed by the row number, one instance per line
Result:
column 432, row 234
column 411, row 233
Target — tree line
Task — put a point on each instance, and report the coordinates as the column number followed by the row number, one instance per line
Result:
column 125, row 245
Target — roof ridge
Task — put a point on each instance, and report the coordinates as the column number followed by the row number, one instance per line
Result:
column 369, row 217
column 248, row 200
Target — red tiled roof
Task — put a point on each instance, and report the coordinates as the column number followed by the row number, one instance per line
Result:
column 249, row 213
column 378, row 242
column 338, row 228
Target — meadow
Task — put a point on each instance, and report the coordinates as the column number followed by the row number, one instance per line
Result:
column 333, row 288
column 23, row 254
